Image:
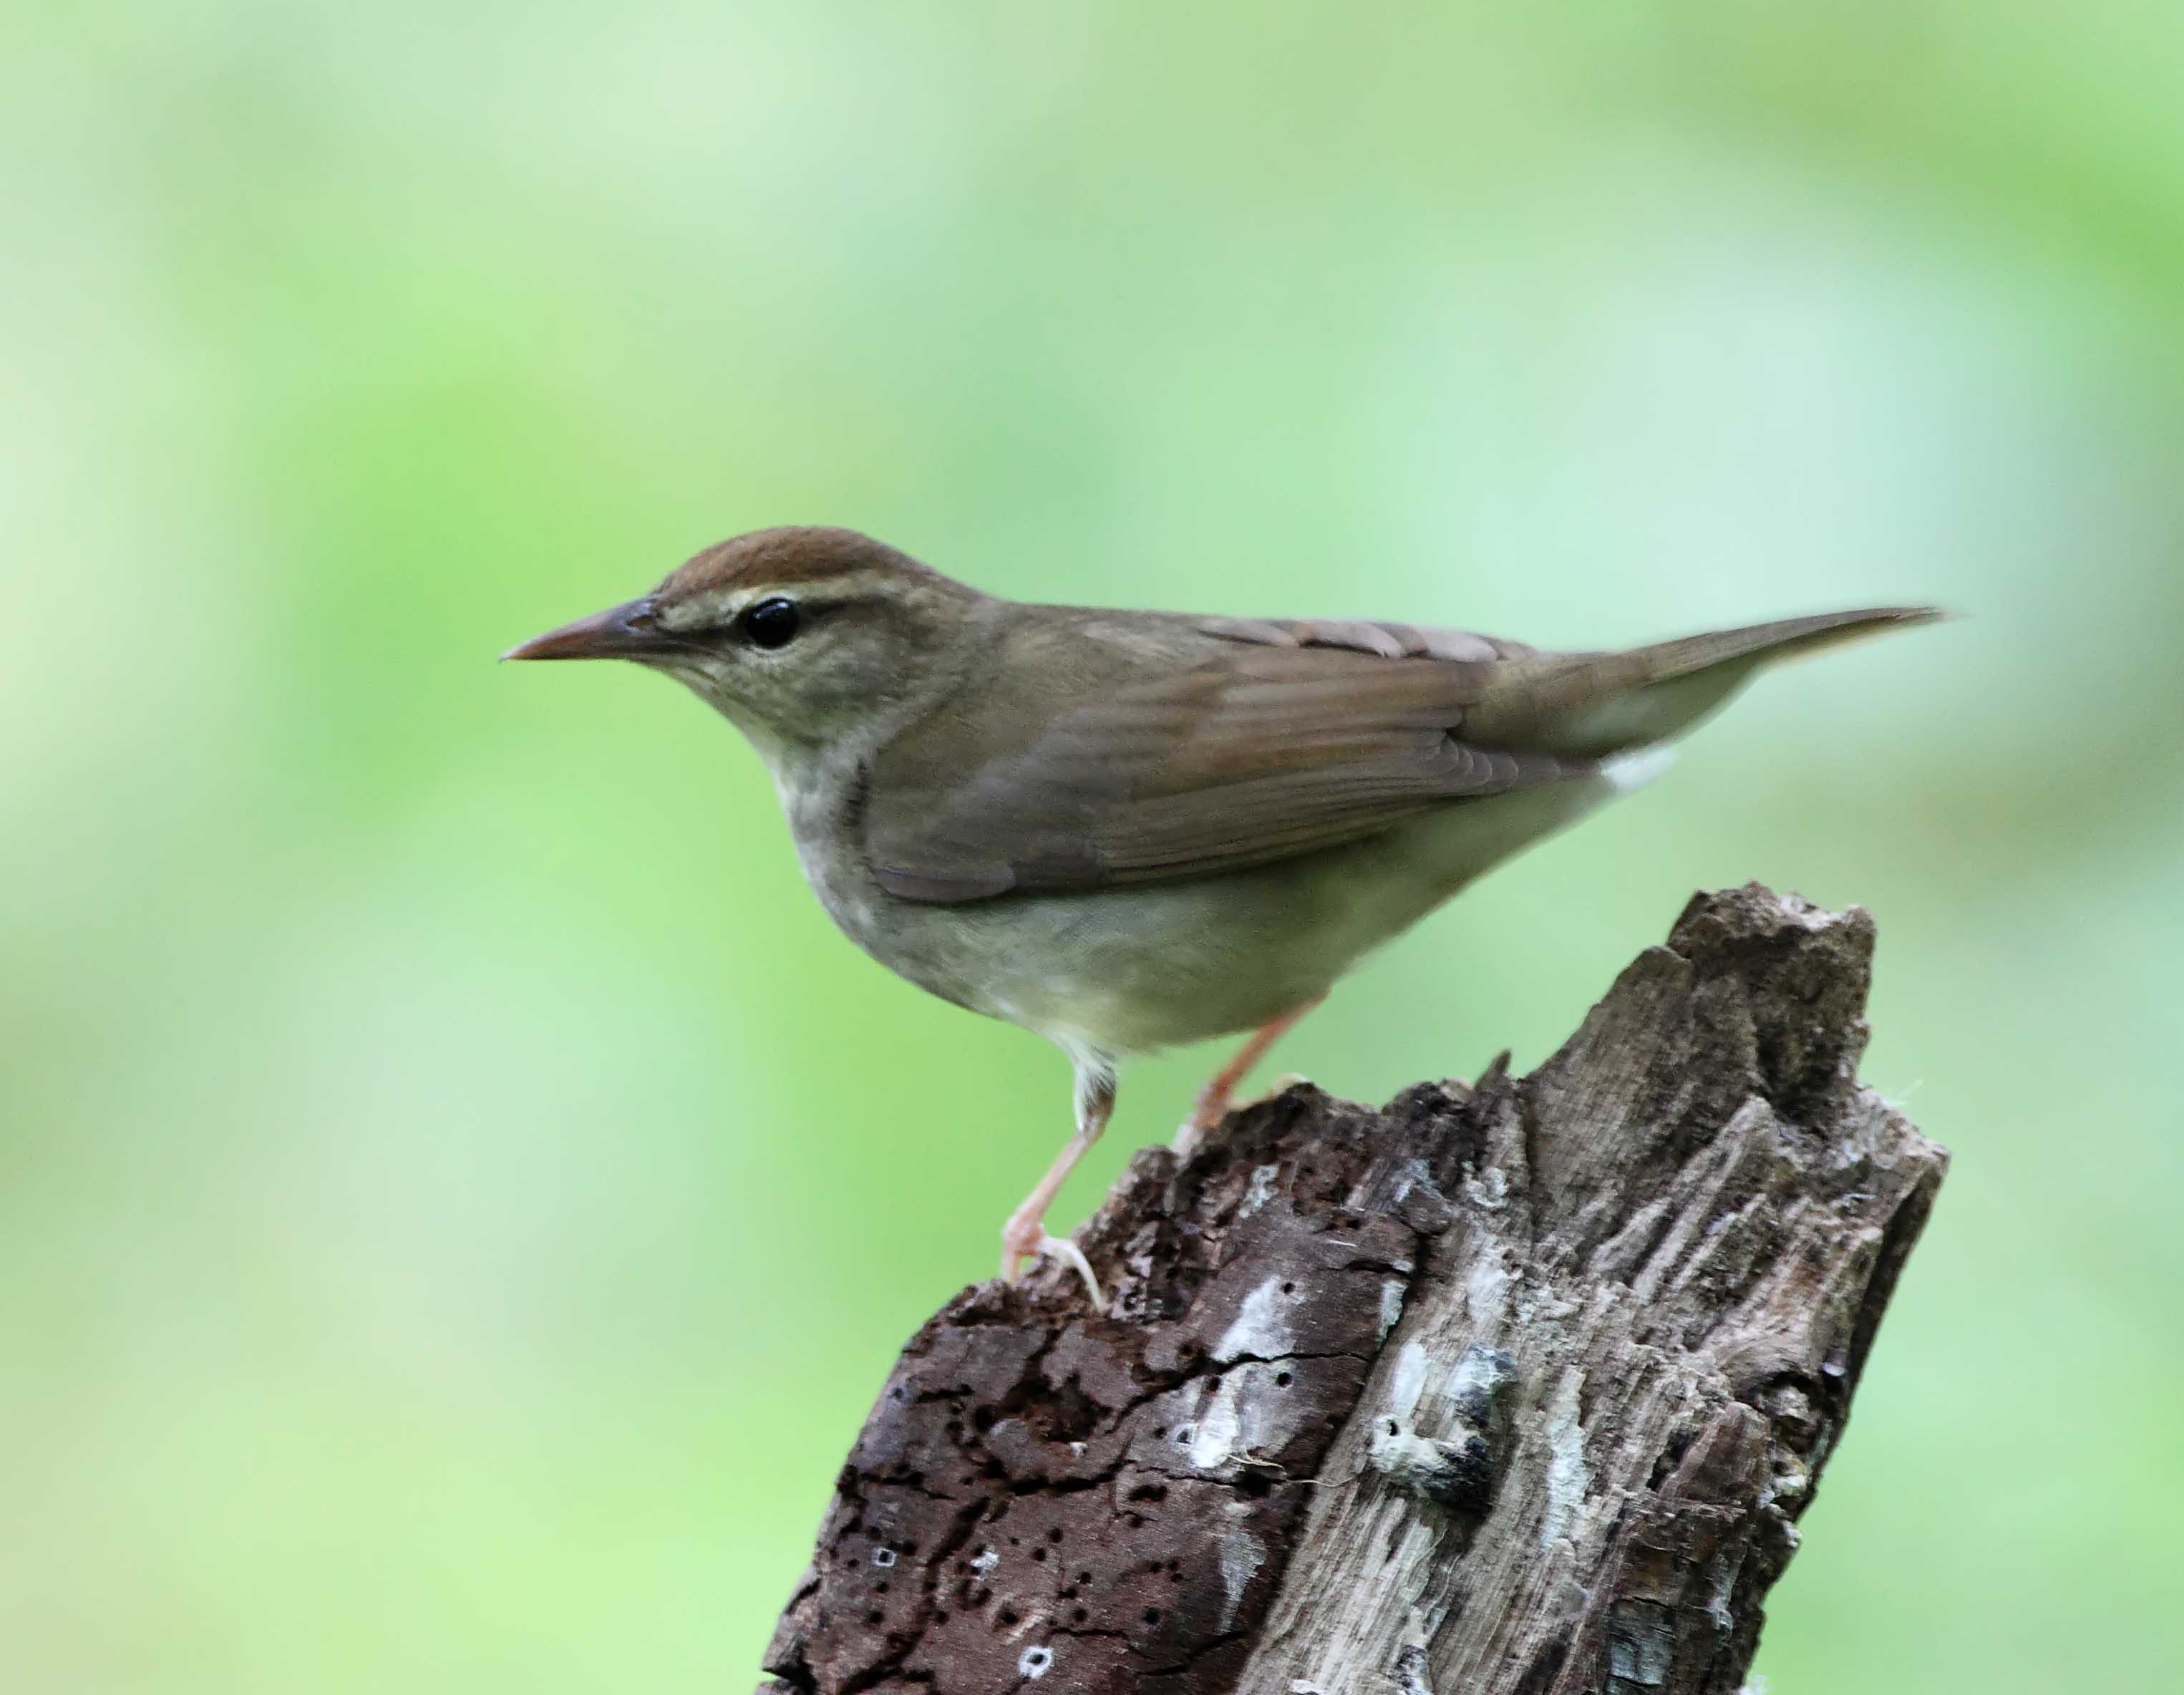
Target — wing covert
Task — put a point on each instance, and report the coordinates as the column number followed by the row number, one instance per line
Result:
column 1269, row 747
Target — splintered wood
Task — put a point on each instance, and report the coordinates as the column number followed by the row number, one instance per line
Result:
column 1516, row 1387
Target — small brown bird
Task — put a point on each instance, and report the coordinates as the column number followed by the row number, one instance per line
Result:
column 1127, row 829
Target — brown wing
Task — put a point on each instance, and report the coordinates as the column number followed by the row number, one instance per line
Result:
column 1210, row 744
column 1269, row 740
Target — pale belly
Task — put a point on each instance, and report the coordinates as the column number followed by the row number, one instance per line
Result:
column 1125, row 970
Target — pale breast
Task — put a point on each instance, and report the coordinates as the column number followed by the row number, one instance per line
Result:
column 1132, row 969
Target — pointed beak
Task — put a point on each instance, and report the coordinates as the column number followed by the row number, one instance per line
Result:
column 625, row 632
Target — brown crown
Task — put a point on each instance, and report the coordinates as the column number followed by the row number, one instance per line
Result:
column 806, row 555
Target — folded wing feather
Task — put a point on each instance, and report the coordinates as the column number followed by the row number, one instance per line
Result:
column 1282, row 738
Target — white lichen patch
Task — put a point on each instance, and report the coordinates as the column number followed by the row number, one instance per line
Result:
column 1412, row 1463
column 1218, row 1435
column 1478, row 1371
column 1261, row 1191
column 1408, row 1381
column 1246, row 1412
column 1568, row 1476
column 1486, row 1290
column 986, row 1561
column 1242, row 1555
column 1391, row 1303
column 1260, row 1330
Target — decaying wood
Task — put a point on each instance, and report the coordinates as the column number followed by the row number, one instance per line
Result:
column 1519, row 1387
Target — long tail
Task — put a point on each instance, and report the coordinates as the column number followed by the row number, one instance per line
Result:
column 1596, row 705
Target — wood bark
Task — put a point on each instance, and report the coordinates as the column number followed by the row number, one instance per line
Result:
column 1518, row 1386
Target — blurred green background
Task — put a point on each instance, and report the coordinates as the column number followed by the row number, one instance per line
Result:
column 459, row 1194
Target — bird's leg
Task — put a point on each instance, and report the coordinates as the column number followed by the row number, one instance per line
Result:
column 1025, row 1234
column 1213, row 1099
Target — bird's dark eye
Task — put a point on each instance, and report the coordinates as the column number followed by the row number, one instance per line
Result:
column 771, row 624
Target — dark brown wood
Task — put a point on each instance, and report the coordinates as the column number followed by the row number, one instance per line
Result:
column 1517, row 1387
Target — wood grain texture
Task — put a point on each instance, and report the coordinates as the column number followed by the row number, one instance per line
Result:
column 1516, row 1387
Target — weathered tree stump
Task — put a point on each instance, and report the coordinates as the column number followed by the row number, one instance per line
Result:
column 1519, row 1387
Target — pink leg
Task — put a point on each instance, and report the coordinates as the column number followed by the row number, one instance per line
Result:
column 1025, row 1233
column 1213, row 1099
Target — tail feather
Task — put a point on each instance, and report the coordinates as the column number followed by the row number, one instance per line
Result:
column 1783, row 638
column 1598, row 705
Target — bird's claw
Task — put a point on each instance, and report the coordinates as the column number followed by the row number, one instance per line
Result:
column 1020, row 1242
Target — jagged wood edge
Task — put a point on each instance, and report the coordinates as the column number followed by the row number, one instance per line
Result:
column 1520, row 1387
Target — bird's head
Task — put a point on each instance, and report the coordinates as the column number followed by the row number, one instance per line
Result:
column 801, row 636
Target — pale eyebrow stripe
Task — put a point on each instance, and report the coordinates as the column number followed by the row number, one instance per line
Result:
column 828, row 589
column 733, row 603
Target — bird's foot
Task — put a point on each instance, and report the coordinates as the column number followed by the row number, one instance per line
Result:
column 1212, row 1107
column 1207, row 1112
column 1026, row 1238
